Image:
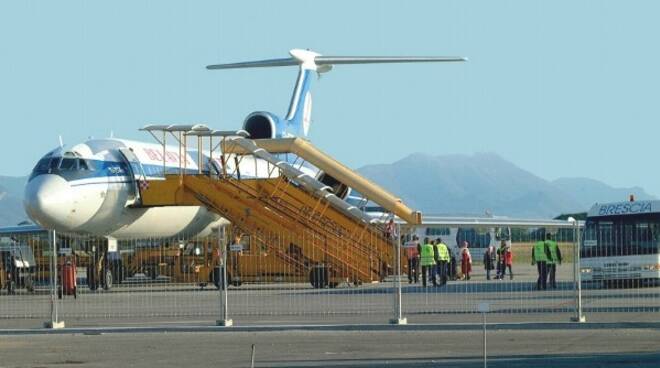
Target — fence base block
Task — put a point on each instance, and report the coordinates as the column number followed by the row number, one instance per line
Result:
column 54, row 325
column 581, row 319
column 399, row 321
column 224, row 322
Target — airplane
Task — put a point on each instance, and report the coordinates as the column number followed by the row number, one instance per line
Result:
column 92, row 187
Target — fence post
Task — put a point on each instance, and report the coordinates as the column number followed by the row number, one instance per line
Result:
column 222, row 247
column 398, row 317
column 577, row 273
column 484, row 308
column 54, row 322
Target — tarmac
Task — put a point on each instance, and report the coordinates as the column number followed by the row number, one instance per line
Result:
column 293, row 325
column 448, row 346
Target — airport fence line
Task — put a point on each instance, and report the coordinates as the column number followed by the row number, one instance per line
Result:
column 274, row 277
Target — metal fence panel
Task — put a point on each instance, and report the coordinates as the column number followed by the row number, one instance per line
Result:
column 140, row 278
column 489, row 266
column 24, row 276
column 271, row 279
column 620, row 265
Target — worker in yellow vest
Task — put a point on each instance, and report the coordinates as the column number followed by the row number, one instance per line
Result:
column 427, row 260
column 540, row 257
column 443, row 260
column 553, row 260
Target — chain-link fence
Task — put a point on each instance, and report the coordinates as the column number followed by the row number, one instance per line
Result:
column 25, row 275
column 523, row 271
column 442, row 272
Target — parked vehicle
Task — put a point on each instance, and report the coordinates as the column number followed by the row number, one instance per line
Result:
column 621, row 244
column 17, row 266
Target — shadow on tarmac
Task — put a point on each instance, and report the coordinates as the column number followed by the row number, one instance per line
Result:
column 458, row 287
column 628, row 360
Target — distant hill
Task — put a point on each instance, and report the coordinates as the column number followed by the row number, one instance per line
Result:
column 11, row 200
column 462, row 184
column 587, row 191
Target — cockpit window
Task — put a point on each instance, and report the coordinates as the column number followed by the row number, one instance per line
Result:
column 46, row 166
column 69, row 167
column 86, row 165
column 54, row 163
column 42, row 165
column 69, row 164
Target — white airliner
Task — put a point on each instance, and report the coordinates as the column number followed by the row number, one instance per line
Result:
column 91, row 187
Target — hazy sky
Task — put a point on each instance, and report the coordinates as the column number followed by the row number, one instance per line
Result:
column 560, row 88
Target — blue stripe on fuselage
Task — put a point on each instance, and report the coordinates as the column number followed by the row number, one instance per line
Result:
column 119, row 170
column 105, row 169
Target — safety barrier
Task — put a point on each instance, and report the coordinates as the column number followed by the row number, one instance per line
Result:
column 495, row 267
column 173, row 280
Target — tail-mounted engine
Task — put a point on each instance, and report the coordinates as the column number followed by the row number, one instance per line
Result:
column 263, row 125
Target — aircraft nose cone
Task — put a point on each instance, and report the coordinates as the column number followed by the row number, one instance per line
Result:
column 48, row 202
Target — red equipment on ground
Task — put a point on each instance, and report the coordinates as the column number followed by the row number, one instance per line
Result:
column 68, row 279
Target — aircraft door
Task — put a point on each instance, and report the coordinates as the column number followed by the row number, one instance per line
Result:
column 214, row 167
column 135, row 171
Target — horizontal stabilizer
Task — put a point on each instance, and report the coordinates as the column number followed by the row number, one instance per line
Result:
column 335, row 60
column 256, row 64
column 312, row 60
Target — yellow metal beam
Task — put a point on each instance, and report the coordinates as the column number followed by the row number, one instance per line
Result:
column 335, row 169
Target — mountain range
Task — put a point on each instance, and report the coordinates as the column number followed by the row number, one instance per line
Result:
column 449, row 185
column 11, row 200
column 474, row 184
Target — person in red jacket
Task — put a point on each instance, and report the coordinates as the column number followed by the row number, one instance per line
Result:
column 466, row 261
column 507, row 259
